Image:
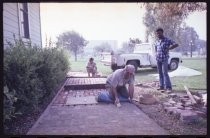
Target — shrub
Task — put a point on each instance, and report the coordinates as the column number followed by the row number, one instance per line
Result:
column 9, row 110
column 30, row 75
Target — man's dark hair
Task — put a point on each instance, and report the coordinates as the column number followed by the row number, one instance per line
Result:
column 91, row 59
column 159, row 29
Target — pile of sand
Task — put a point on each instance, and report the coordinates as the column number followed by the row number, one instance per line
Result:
column 182, row 71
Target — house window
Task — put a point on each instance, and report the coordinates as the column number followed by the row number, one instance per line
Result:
column 24, row 24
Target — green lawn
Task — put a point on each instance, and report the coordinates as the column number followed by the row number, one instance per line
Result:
column 143, row 75
column 199, row 82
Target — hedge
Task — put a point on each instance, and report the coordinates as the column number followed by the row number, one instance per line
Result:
column 30, row 75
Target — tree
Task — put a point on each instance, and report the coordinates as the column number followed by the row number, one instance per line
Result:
column 126, row 48
column 104, row 47
column 201, row 46
column 169, row 16
column 187, row 39
column 72, row 41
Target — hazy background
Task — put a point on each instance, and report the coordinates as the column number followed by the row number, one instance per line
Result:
column 116, row 22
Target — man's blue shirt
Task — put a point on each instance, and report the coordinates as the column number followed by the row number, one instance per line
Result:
column 162, row 48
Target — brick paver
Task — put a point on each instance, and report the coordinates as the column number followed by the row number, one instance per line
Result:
column 101, row 119
column 85, row 83
column 64, row 94
column 96, row 119
column 77, row 74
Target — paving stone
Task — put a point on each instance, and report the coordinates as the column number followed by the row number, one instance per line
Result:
column 167, row 104
column 178, row 103
column 94, row 119
column 204, row 109
column 188, row 116
column 179, row 106
column 100, row 119
column 188, row 103
column 188, row 108
column 66, row 93
column 171, row 101
column 184, row 99
column 201, row 114
column 173, row 95
column 204, row 98
column 81, row 100
column 170, row 110
column 81, row 84
column 197, row 99
column 186, row 96
column 62, row 97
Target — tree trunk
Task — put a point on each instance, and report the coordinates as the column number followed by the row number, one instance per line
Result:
column 147, row 37
column 75, row 56
column 191, row 50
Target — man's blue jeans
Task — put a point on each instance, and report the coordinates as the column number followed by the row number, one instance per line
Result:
column 163, row 74
column 105, row 96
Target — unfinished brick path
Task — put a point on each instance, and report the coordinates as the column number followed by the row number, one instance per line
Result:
column 92, row 119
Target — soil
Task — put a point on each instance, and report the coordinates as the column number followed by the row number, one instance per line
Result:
column 171, row 123
column 167, row 121
column 22, row 124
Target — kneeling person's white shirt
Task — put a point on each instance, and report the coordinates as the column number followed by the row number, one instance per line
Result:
column 117, row 78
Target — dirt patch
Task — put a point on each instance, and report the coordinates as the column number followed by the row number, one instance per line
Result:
column 22, row 124
column 168, row 121
column 171, row 123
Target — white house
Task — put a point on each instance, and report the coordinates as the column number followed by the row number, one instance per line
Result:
column 22, row 20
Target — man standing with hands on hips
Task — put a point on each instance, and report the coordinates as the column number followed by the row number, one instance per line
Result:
column 162, row 47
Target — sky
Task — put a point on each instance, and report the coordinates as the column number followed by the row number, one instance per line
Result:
column 103, row 21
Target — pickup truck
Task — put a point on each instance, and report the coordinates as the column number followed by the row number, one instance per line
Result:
column 142, row 57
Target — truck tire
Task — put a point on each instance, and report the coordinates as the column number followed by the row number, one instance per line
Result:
column 173, row 64
column 134, row 64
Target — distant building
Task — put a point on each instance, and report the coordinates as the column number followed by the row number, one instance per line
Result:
column 22, row 20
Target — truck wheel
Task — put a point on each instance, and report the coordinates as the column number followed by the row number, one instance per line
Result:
column 134, row 64
column 173, row 64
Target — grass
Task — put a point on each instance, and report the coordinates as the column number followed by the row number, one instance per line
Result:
column 143, row 74
column 198, row 82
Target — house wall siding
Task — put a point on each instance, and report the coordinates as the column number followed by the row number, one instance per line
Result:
column 34, row 23
column 11, row 23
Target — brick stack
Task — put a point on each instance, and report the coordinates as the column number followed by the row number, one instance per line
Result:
column 184, row 109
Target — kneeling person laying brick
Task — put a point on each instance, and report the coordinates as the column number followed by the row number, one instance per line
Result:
column 116, row 86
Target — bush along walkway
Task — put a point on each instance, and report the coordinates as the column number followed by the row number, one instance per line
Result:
column 74, row 112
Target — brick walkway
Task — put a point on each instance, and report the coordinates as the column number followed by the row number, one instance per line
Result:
column 62, row 97
column 94, row 119
column 85, row 83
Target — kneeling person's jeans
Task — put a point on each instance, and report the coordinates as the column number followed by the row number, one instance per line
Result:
column 106, row 96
